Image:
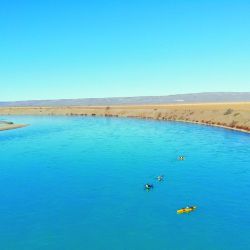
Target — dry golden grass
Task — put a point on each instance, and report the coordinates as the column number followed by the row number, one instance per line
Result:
column 229, row 115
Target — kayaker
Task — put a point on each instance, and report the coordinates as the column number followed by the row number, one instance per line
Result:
column 181, row 158
column 160, row 178
column 148, row 186
column 187, row 209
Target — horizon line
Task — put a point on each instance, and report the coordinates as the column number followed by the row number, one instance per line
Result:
column 138, row 96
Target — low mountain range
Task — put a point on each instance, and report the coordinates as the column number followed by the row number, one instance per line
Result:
column 207, row 97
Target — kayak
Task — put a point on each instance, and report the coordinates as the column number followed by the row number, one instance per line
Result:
column 186, row 210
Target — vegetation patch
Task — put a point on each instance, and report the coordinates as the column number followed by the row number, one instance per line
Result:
column 229, row 112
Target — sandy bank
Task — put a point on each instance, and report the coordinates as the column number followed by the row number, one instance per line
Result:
column 234, row 116
column 11, row 126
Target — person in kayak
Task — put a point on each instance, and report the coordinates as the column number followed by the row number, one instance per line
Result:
column 181, row 158
column 160, row 178
column 190, row 208
column 148, row 186
column 187, row 209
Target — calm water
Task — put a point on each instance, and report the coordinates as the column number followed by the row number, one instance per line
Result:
column 77, row 183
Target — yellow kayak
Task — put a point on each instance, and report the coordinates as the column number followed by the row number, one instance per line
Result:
column 186, row 210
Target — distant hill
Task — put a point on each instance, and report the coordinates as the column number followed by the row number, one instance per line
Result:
column 140, row 100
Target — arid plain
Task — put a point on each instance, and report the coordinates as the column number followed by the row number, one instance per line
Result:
column 234, row 116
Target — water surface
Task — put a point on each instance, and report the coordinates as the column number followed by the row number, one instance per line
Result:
column 77, row 183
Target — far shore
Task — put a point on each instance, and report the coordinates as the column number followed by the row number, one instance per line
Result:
column 234, row 116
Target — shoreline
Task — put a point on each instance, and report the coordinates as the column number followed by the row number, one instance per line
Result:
column 197, row 123
column 214, row 125
column 12, row 126
column 233, row 116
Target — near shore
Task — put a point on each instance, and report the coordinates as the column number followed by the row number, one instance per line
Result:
column 8, row 126
column 234, row 116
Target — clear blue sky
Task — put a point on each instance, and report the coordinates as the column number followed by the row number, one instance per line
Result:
column 72, row 49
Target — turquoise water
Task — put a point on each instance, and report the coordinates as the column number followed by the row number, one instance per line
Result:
column 77, row 183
